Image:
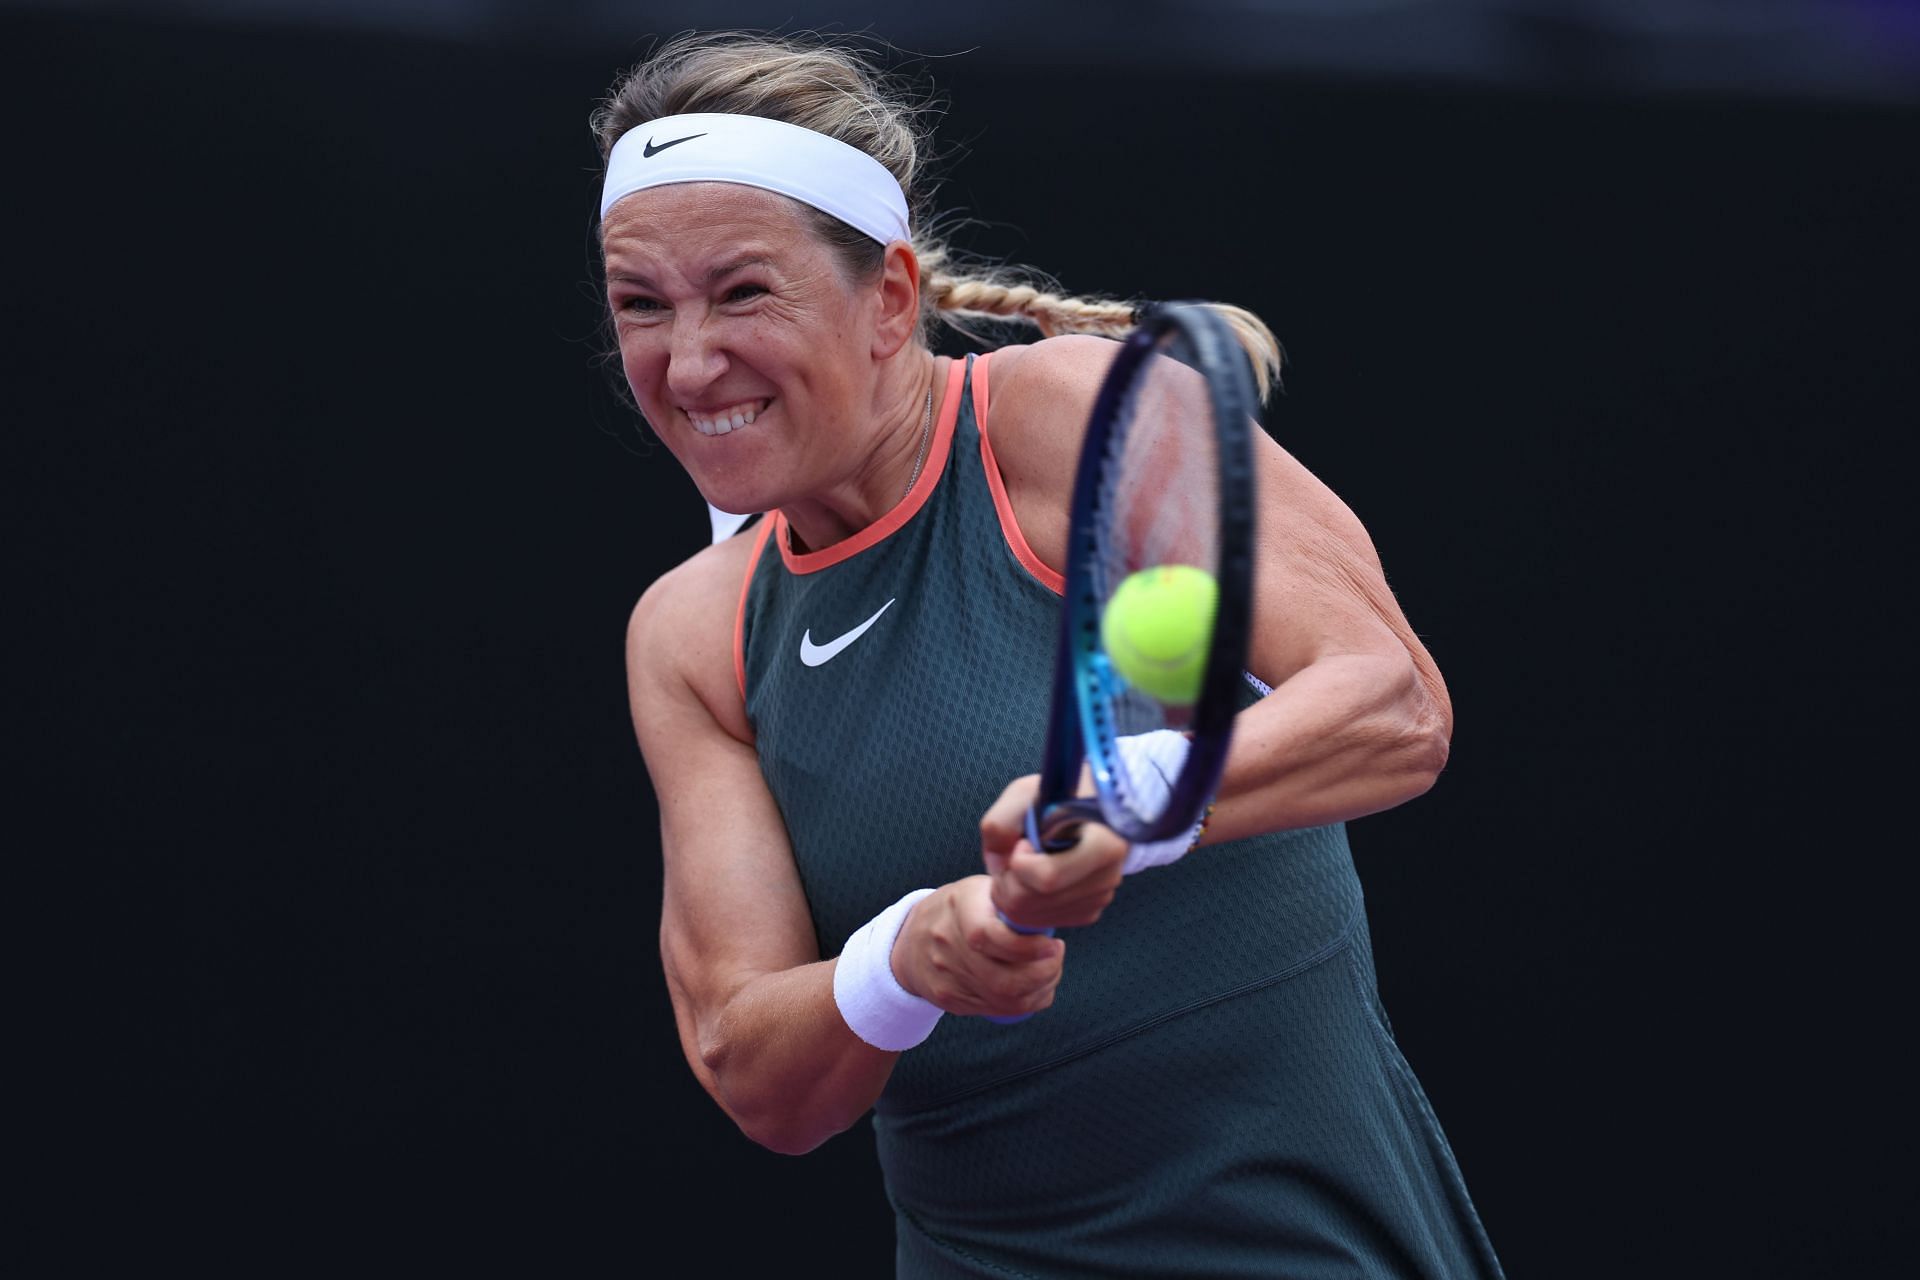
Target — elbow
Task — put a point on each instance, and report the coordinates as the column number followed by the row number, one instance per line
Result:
column 1426, row 755
column 1426, row 732
column 1435, row 731
column 763, row 1126
column 745, row 1105
column 779, row 1119
column 784, row 1131
column 1404, row 768
column 786, row 1141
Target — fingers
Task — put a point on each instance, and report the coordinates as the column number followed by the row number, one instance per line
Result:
column 964, row 958
column 1004, row 824
column 1065, row 889
column 1070, row 887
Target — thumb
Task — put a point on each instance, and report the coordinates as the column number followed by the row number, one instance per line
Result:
column 1004, row 825
column 997, row 859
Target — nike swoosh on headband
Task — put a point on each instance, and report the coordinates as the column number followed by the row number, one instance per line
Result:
column 816, row 654
column 649, row 151
column 818, row 171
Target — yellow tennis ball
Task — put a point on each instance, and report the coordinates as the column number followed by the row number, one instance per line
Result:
column 1156, row 630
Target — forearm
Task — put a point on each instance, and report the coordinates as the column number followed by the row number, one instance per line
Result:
column 780, row 1060
column 1343, row 737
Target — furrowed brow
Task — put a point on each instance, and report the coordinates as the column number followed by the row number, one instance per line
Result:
column 714, row 275
column 738, row 264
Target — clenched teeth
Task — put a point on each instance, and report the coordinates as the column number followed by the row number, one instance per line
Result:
column 720, row 421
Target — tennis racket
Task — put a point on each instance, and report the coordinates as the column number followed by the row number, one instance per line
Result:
column 1165, row 485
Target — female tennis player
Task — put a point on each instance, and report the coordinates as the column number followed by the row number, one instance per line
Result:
column 841, row 705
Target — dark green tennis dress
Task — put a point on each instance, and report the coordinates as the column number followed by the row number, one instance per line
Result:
column 1215, row 1091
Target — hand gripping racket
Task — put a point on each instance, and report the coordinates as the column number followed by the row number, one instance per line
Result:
column 1163, row 509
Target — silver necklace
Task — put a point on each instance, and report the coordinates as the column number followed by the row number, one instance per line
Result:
column 926, row 430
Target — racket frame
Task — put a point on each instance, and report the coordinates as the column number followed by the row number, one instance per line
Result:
column 1080, row 727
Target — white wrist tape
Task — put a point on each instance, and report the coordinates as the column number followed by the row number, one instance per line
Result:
column 881, row 1011
column 1152, row 761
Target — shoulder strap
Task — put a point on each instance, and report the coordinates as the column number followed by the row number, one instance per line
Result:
column 1002, row 505
column 740, row 614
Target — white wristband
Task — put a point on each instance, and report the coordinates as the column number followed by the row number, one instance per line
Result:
column 881, row 1011
column 1152, row 761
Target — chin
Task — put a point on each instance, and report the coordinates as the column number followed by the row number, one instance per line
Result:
column 739, row 497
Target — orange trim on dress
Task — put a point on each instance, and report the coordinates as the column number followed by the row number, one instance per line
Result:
column 904, row 510
column 740, row 615
column 1009, row 526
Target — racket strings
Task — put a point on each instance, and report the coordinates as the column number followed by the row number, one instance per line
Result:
column 1159, row 495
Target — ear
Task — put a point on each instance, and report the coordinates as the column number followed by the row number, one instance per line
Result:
column 898, row 297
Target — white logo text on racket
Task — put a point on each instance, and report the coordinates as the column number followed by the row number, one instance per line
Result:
column 815, row 654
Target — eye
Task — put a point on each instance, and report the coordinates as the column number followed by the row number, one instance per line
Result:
column 640, row 305
column 745, row 292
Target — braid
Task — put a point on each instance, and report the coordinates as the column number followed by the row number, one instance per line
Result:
column 839, row 89
column 1051, row 313
column 956, row 297
column 1262, row 348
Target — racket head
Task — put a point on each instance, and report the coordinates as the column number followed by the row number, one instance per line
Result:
column 1165, row 479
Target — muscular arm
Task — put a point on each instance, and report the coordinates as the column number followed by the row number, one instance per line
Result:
column 753, row 1000
column 751, row 996
column 1359, row 720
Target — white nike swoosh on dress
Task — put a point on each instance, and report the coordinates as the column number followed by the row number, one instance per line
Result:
column 814, row 654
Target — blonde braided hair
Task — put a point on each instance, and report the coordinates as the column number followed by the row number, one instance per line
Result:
column 836, row 88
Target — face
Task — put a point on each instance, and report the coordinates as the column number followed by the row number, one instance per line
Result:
column 746, row 348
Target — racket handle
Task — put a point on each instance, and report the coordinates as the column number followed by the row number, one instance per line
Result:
column 1011, row 1018
column 1021, row 928
column 1033, row 838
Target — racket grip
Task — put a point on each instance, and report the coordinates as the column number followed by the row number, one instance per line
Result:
column 1011, row 1018
column 1033, row 838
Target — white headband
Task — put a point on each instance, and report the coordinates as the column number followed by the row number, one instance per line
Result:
column 756, row 152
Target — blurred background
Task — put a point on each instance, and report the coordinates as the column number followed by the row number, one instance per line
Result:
column 1600, row 315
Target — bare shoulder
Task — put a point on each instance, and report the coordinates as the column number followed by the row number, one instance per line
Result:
column 680, row 636
column 1060, row 365
column 1041, row 397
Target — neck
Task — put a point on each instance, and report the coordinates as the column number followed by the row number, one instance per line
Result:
column 877, row 483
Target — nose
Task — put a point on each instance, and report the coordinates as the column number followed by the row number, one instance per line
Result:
column 694, row 360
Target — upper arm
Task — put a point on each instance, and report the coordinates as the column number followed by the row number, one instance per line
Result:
column 1320, row 591
column 733, row 907
column 1319, row 588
